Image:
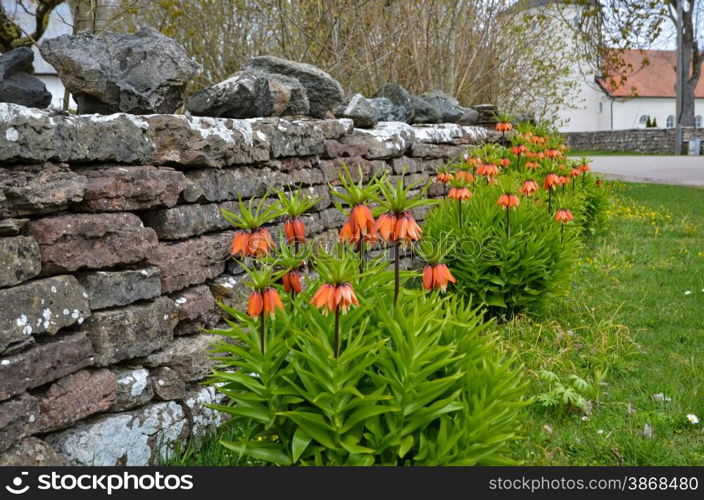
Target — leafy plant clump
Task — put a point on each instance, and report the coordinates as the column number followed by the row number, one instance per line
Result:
column 509, row 273
column 420, row 383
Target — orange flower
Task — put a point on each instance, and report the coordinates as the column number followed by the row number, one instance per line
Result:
column 295, row 230
column 553, row 153
column 361, row 219
column 240, row 243
column 529, row 187
column 551, row 181
column 519, row 150
column 437, row 276
column 407, row 230
column 585, row 168
column 508, row 200
column 563, row 215
column 487, row 169
column 346, row 233
column 256, row 304
column 531, row 165
column 564, row 180
column 461, row 194
column 260, row 242
column 575, row 172
column 386, row 224
column 492, row 180
column 331, row 297
column 292, row 282
column 504, row 127
column 272, row 301
column 504, row 162
column 537, row 140
column 465, row 176
column 444, row 177
column 472, row 162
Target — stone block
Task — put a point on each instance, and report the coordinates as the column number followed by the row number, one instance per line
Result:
column 118, row 189
column 189, row 356
column 193, row 261
column 204, row 420
column 91, row 241
column 135, row 438
column 75, row 397
column 38, row 189
column 45, row 362
column 134, row 388
column 17, row 417
column 119, row 288
column 131, row 331
column 185, row 221
column 20, row 260
column 387, row 140
column 231, row 183
column 41, row 306
column 196, row 310
column 167, row 384
column 32, row 452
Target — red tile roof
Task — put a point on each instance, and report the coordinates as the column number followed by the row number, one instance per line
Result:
column 654, row 79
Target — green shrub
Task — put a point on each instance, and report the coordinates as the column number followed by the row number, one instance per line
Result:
column 421, row 385
column 508, row 274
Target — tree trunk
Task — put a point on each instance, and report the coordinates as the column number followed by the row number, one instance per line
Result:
column 692, row 63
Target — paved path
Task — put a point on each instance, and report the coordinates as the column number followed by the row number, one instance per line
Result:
column 680, row 170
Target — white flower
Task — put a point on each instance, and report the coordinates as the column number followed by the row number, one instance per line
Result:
column 693, row 419
column 600, row 431
column 688, row 292
column 585, row 418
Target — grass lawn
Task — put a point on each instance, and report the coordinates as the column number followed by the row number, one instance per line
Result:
column 622, row 353
column 645, row 282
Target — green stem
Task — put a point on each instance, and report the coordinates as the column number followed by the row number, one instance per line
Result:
column 459, row 211
column 261, row 331
column 337, row 332
column 508, row 220
column 397, row 271
column 362, row 253
column 562, row 232
column 549, row 200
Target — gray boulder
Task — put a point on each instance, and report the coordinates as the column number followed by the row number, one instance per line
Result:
column 324, row 92
column 359, row 110
column 400, row 97
column 424, row 112
column 289, row 95
column 469, row 116
column 17, row 85
column 449, row 106
column 386, row 111
column 245, row 94
column 140, row 73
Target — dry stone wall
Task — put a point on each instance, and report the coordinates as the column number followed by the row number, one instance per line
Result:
column 113, row 254
column 644, row 140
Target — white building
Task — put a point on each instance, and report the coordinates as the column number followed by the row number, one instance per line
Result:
column 60, row 23
column 648, row 94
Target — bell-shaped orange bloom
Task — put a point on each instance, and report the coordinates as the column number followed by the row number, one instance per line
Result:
column 292, row 282
column 330, row 297
column 465, row 176
column 519, row 150
column 437, row 276
column 361, row 220
column 295, row 230
column 551, row 181
column 531, row 165
column 386, row 225
column 487, row 169
column 564, row 180
column 563, row 215
column 540, row 155
column 444, row 177
column 407, row 230
column 575, row 172
column 256, row 304
column 537, row 140
column 240, row 243
column 472, row 161
column 260, row 242
column 529, row 187
column 504, row 162
column 553, row 153
column 346, row 233
column 508, row 200
column 272, row 301
column 585, row 168
column 460, row 194
column 504, row 127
